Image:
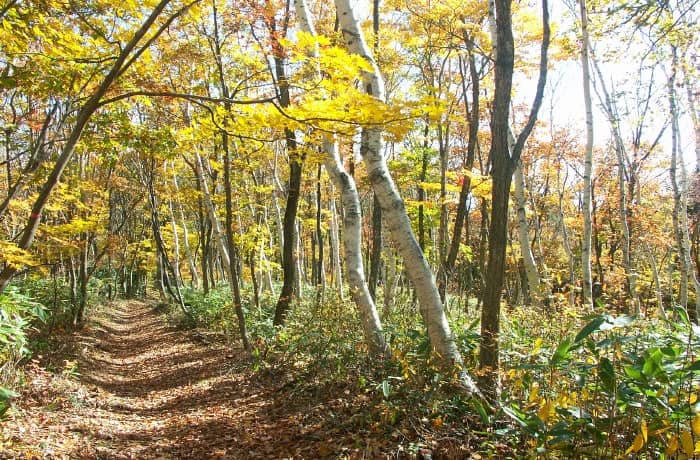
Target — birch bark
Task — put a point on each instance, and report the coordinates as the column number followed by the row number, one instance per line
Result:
column 352, row 226
column 588, row 162
column 394, row 212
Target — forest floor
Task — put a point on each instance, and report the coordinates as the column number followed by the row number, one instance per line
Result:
column 131, row 386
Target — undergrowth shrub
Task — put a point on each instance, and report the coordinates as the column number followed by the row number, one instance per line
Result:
column 596, row 386
column 18, row 315
column 621, row 386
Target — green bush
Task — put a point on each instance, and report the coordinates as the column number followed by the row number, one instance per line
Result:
column 18, row 314
column 621, row 386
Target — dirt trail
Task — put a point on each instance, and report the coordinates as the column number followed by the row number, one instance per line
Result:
column 144, row 390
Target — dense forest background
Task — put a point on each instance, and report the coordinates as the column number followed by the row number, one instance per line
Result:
column 475, row 208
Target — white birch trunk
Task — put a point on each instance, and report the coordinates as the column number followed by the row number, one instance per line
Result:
column 352, row 242
column 219, row 235
column 680, row 192
column 335, row 243
column 176, row 243
column 441, row 337
column 657, row 281
column 531, row 273
column 588, row 163
column 693, row 109
column 352, row 228
column 692, row 273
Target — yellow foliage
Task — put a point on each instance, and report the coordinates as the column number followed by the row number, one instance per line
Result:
column 687, row 445
column 14, row 256
column 672, row 446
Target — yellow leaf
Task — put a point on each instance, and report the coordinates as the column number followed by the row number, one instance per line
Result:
column 695, row 424
column 546, row 410
column 693, row 398
column 687, row 443
column 536, row 346
column 533, row 392
column 637, row 444
column 672, row 445
column 644, row 431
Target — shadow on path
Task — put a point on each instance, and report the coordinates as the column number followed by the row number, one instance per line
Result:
column 148, row 391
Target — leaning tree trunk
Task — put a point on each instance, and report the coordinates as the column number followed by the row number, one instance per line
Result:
column 352, row 228
column 534, row 295
column 394, row 212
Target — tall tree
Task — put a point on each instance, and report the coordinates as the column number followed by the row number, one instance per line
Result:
column 588, row 161
column 393, row 209
column 352, row 222
column 503, row 164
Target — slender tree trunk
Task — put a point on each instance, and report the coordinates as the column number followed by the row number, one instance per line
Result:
column 232, row 263
column 185, row 239
column 394, row 211
column 504, row 160
column 376, row 254
column 443, row 142
column 657, row 282
column 531, row 274
column 472, row 143
column 320, row 280
column 352, row 228
column 289, row 261
column 421, row 190
column 335, row 247
column 222, row 241
column 588, row 162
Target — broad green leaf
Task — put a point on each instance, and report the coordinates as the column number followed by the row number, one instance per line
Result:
column 593, row 326
column 561, row 352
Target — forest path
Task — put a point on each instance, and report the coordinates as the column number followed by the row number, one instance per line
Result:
column 145, row 390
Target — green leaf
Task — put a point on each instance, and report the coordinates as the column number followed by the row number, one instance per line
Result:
column 683, row 315
column 386, row 389
column 6, row 394
column 516, row 415
column 693, row 367
column 633, row 372
column 607, row 374
column 593, row 326
column 562, row 351
column 480, row 409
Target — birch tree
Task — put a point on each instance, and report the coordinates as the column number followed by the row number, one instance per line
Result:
column 587, row 279
column 352, row 223
column 394, row 212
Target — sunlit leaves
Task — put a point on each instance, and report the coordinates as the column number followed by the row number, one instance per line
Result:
column 14, row 256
